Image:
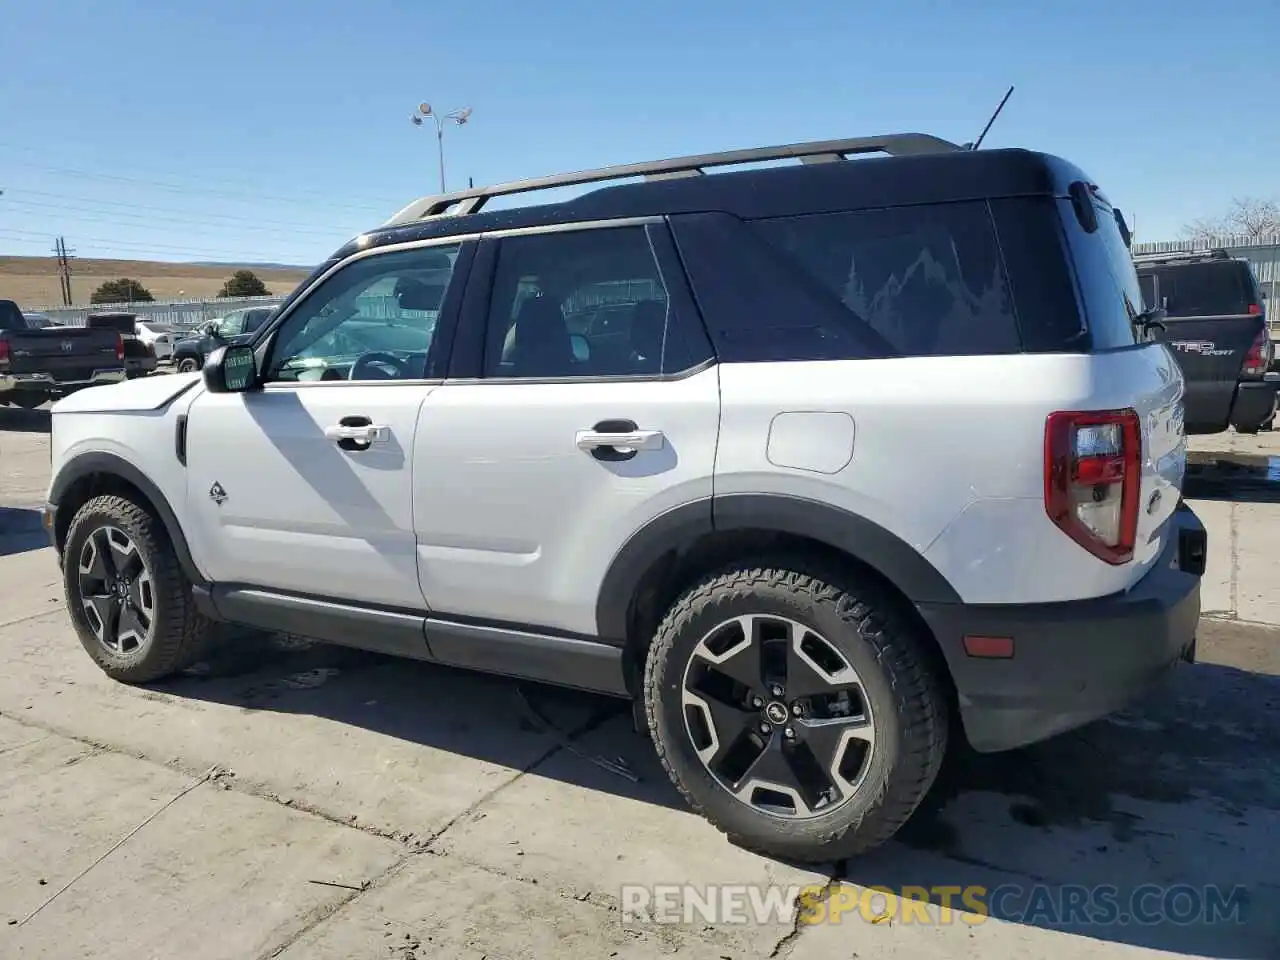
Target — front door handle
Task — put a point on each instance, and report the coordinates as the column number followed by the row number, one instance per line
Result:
column 357, row 433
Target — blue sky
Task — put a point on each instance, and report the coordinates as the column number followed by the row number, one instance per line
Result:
column 275, row 131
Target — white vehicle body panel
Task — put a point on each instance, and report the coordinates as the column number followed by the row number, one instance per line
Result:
column 301, row 514
column 948, row 454
column 515, row 522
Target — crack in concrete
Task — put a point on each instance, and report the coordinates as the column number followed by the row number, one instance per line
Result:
column 804, row 903
column 1233, row 526
column 35, row 616
column 398, row 867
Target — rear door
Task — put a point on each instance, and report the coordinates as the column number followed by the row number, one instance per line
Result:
column 1213, row 316
column 555, row 437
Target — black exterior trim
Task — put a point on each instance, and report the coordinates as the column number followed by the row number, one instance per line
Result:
column 565, row 661
column 88, row 464
column 860, row 538
column 666, row 532
column 676, row 529
column 1078, row 660
column 180, row 438
column 505, row 649
column 396, row 632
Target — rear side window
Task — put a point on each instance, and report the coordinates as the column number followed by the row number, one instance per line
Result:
column 928, row 279
column 1209, row 289
column 1107, row 278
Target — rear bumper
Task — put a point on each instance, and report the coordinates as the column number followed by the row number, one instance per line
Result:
column 1254, row 405
column 1077, row 661
column 47, row 382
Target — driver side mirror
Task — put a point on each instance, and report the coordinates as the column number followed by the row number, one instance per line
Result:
column 581, row 347
column 231, row 369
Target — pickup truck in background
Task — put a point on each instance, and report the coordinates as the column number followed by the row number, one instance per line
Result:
column 1216, row 326
column 41, row 364
column 139, row 356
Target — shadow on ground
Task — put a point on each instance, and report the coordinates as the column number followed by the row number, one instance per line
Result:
column 17, row 420
column 1239, row 477
column 21, row 530
column 1182, row 793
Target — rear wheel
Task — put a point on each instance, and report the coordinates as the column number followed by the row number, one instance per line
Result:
column 126, row 593
column 795, row 709
column 188, row 365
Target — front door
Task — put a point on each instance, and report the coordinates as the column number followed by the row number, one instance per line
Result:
column 590, row 411
column 305, row 485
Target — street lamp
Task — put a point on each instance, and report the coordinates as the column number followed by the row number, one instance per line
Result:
column 424, row 112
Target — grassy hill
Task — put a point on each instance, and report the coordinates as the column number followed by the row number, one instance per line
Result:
column 33, row 281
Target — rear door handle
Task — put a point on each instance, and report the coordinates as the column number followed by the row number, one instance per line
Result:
column 631, row 440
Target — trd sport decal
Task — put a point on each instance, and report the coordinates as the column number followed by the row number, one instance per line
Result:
column 1205, row 348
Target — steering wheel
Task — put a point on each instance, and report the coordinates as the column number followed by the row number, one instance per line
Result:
column 374, row 366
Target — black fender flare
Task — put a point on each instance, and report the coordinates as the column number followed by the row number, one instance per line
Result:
column 862, row 539
column 97, row 462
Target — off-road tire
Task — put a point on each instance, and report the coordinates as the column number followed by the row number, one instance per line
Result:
column 907, row 701
column 181, row 635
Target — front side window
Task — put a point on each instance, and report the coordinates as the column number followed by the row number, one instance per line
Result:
column 375, row 319
column 581, row 303
column 928, row 279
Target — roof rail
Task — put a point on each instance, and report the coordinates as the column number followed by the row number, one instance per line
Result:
column 817, row 151
column 1176, row 256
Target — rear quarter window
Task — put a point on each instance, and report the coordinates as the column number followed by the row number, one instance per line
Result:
column 1108, row 282
column 928, row 279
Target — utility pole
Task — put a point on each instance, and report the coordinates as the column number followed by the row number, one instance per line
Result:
column 64, row 269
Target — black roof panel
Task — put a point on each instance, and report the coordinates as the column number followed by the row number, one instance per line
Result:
column 773, row 192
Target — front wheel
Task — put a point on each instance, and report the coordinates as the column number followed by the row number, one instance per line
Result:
column 795, row 709
column 128, row 598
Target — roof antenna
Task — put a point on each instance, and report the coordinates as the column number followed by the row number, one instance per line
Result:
column 982, row 136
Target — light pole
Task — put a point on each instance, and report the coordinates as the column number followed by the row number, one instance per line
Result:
column 459, row 117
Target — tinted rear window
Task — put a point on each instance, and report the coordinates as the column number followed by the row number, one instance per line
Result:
column 1107, row 278
column 928, row 279
column 1209, row 289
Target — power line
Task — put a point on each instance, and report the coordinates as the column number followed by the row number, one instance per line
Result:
column 187, row 214
column 109, row 245
column 113, row 217
column 200, row 186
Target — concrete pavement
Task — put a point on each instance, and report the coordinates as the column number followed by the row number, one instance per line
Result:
column 296, row 800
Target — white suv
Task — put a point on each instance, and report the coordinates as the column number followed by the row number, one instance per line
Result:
column 821, row 465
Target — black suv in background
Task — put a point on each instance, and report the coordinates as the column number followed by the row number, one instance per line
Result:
column 1216, row 326
column 233, row 327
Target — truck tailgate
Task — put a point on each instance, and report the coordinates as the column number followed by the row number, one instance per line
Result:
column 65, row 353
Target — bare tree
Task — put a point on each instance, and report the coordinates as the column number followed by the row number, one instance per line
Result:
column 1247, row 216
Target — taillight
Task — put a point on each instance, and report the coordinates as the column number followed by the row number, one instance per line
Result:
column 1258, row 359
column 1254, row 309
column 1092, row 479
column 4, row 349
column 120, row 348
